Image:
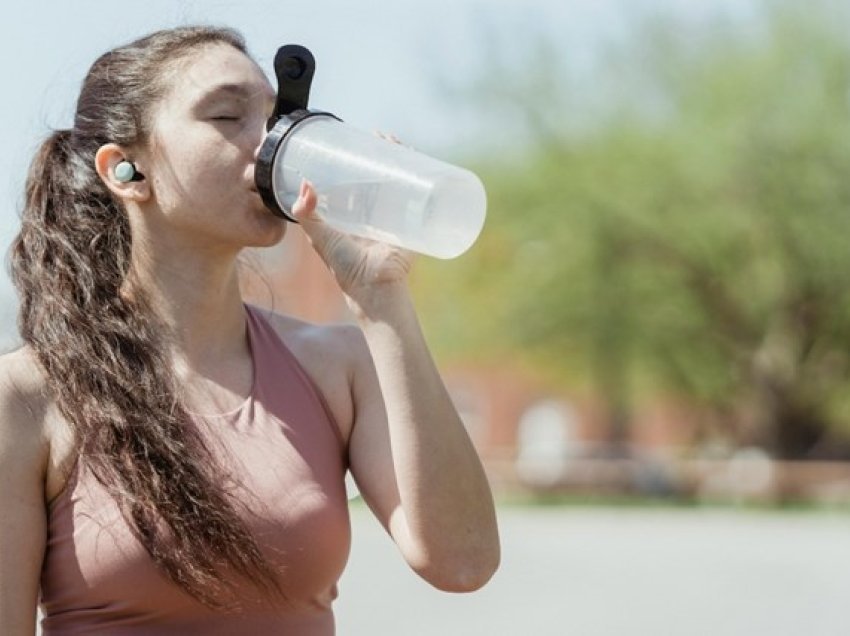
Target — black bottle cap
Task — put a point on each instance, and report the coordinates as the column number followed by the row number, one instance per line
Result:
column 294, row 66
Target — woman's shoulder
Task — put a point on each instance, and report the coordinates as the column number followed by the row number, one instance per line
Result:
column 330, row 354
column 316, row 338
column 24, row 403
column 23, row 385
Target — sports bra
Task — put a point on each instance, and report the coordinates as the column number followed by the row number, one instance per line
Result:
column 285, row 462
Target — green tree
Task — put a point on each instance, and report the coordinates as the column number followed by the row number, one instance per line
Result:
column 693, row 235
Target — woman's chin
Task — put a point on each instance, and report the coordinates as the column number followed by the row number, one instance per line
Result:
column 273, row 235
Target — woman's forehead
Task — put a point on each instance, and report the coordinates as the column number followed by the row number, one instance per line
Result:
column 220, row 70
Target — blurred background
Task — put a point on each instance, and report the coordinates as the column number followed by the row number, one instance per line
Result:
column 650, row 342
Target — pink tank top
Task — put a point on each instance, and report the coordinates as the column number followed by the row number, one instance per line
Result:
column 287, row 460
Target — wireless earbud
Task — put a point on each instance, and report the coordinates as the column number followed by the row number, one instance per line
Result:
column 126, row 171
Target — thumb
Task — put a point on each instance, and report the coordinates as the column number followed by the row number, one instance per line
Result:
column 304, row 208
column 304, row 211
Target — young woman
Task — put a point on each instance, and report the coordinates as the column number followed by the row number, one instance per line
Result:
column 172, row 459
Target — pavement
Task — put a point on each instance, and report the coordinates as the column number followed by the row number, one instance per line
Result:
column 618, row 572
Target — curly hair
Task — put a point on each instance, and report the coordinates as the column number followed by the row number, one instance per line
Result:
column 104, row 351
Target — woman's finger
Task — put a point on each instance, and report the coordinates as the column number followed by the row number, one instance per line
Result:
column 322, row 236
column 304, row 207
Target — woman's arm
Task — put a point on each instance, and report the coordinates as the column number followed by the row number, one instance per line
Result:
column 23, row 461
column 409, row 451
column 411, row 456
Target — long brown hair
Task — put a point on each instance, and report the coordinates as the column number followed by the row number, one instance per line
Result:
column 104, row 351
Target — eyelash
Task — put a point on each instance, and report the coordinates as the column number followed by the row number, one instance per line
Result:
column 229, row 118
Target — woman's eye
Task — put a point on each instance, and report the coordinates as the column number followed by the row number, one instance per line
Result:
column 226, row 118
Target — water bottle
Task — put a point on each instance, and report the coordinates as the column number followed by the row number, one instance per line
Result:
column 366, row 185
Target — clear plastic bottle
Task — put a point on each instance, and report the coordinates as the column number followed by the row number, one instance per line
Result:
column 374, row 188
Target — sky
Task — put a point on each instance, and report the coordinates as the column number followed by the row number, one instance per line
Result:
column 381, row 65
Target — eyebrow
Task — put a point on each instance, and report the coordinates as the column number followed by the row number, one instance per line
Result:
column 244, row 91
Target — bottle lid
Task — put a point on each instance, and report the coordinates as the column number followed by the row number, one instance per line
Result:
column 294, row 66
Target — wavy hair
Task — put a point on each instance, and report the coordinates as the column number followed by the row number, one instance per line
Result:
column 104, row 351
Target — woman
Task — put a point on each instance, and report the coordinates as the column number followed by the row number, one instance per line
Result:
column 172, row 459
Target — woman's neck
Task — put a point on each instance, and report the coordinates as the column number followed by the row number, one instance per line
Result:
column 197, row 296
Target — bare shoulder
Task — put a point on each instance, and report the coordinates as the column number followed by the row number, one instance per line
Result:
column 23, row 389
column 344, row 341
column 330, row 354
column 24, row 403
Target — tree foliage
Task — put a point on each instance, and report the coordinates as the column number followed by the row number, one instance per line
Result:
column 692, row 237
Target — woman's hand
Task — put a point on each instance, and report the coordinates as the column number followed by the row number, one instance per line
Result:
column 360, row 266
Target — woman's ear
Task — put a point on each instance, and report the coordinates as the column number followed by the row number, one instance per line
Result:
column 123, row 178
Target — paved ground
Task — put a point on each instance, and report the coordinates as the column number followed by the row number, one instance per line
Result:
column 599, row 572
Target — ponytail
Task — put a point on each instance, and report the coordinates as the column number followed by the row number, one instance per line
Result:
column 103, row 348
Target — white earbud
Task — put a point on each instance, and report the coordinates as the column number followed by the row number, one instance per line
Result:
column 125, row 171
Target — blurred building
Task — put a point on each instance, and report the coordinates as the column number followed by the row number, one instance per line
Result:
column 536, row 440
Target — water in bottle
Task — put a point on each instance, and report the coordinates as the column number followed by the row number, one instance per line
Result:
column 371, row 187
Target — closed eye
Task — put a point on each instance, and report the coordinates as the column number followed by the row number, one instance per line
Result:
column 226, row 118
